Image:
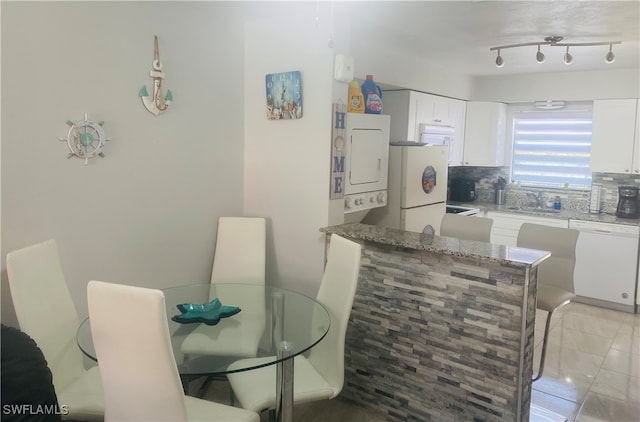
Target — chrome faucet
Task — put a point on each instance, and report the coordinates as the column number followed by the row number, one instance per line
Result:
column 538, row 198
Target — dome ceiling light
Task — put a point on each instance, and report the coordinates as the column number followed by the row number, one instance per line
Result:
column 555, row 41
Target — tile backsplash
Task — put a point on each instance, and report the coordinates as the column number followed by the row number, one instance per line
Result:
column 485, row 177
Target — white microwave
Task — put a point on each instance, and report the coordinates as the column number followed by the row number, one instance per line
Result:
column 436, row 134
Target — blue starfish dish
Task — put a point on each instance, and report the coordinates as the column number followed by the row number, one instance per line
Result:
column 209, row 313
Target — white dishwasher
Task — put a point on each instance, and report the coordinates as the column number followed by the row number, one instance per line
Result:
column 606, row 264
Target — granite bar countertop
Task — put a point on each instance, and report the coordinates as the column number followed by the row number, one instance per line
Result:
column 439, row 244
column 563, row 214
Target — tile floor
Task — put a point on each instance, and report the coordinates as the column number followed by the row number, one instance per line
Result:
column 592, row 372
column 592, row 369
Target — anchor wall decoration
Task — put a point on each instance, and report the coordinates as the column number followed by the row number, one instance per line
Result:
column 156, row 104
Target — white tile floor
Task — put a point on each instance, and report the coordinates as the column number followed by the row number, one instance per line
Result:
column 592, row 371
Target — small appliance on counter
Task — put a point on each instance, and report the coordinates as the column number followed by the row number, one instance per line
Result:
column 501, row 193
column 596, row 198
column 627, row 202
column 463, row 190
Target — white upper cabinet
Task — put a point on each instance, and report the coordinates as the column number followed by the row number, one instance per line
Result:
column 614, row 142
column 484, row 134
column 457, row 119
column 408, row 109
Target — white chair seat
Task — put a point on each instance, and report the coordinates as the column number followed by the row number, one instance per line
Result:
column 203, row 410
column 256, row 389
column 207, row 340
column 551, row 297
column 84, row 400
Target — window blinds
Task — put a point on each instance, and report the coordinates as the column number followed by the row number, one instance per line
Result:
column 552, row 149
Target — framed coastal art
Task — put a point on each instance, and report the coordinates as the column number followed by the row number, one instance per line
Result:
column 284, row 95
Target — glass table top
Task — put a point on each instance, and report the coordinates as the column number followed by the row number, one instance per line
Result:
column 268, row 315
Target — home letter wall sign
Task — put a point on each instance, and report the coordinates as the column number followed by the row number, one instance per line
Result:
column 338, row 133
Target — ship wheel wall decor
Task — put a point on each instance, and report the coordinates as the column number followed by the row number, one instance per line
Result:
column 85, row 139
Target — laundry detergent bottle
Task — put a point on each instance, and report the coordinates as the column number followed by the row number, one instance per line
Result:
column 356, row 99
column 372, row 96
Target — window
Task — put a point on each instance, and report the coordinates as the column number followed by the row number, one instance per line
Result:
column 552, row 149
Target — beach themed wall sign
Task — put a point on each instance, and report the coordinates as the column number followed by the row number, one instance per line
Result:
column 284, row 95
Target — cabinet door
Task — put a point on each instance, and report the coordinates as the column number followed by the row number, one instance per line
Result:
column 457, row 111
column 613, row 136
column 484, row 134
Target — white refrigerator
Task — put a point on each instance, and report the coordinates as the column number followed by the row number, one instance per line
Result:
column 417, row 188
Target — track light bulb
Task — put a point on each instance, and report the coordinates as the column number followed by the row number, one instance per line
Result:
column 610, row 57
column 568, row 58
column 539, row 55
column 499, row 60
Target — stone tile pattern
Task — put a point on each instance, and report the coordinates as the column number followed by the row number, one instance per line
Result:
column 485, row 178
column 438, row 337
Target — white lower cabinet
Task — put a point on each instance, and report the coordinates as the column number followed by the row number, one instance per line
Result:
column 506, row 225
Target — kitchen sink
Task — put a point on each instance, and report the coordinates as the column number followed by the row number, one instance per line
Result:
column 534, row 210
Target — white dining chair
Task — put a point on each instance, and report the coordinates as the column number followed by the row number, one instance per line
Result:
column 466, row 227
column 240, row 257
column 132, row 342
column 46, row 312
column 555, row 274
column 321, row 375
column 240, row 253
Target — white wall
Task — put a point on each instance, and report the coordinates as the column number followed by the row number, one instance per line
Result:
column 287, row 161
column 147, row 213
column 568, row 86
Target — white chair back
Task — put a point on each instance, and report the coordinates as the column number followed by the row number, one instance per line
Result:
column 240, row 253
column 466, row 227
column 45, row 309
column 336, row 293
column 556, row 270
column 135, row 357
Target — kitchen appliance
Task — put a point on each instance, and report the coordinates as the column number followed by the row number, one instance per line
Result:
column 501, row 191
column 366, row 162
column 460, row 210
column 417, row 188
column 596, row 198
column 606, row 264
column 627, row 202
column 463, row 190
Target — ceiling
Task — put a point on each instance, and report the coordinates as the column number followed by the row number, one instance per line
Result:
column 457, row 35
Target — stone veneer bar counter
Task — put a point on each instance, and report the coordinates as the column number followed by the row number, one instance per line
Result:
column 441, row 329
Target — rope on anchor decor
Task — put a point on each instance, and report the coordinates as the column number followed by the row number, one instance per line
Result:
column 157, row 104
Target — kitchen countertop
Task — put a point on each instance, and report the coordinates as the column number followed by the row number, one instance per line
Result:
column 564, row 214
column 439, row 244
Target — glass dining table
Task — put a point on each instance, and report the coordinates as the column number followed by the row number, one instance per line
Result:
column 273, row 323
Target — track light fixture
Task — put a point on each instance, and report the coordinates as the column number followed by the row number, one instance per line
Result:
column 555, row 41
column 610, row 57
column 568, row 58
column 539, row 55
column 499, row 61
